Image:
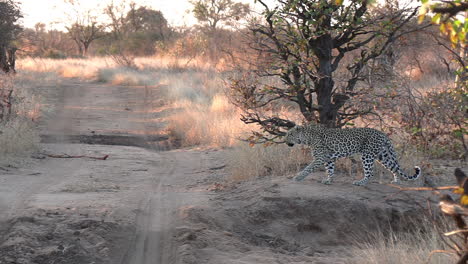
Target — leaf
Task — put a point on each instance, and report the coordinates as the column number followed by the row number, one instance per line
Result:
column 436, row 18
column 422, row 13
column 453, row 39
column 421, row 18
column 443, row 28
column 338, row 2
column 464, row 200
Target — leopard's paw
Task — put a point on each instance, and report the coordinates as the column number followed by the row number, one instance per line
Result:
column 360, row 182
column 327, row 181
column 300, row 177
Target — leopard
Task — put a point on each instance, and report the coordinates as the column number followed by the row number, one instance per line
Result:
column 330, row 144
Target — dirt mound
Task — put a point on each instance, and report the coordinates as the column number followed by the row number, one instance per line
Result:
column 61, row 237
column 291, row 222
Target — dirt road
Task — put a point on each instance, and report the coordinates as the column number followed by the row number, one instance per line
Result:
column 135, row 194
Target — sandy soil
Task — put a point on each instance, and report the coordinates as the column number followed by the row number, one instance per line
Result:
column 82, row 210
column 147, row 204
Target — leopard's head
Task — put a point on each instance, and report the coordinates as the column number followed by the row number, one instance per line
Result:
column 294, row 136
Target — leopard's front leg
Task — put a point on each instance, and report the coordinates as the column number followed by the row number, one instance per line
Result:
column 320, row 160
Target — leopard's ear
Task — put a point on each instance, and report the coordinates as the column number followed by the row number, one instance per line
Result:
column 299, row 128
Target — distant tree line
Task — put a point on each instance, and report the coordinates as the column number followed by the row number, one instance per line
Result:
column 133, row 30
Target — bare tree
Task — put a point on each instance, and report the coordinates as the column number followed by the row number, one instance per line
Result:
column 303, row 44
column 117, row 15
column 84, row 29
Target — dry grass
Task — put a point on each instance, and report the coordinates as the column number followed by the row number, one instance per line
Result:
column 18, row 137
column 125, row 76
column 214, row 124
column 18, row 134
column 392, row 248
column 247, row 163
column 107, row 70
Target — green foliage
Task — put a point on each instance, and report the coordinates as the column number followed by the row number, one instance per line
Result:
column 215, row 12
column 136, row 29
column 148, row 21
column 10, row 14
column 445, row 14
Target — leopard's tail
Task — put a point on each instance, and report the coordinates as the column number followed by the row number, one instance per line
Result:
column 389, row 160
column 415, row 176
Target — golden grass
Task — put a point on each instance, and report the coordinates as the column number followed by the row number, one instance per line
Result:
column 214, row 124
column 89, row 68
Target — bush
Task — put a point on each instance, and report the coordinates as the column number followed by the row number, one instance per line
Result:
column 17, row 129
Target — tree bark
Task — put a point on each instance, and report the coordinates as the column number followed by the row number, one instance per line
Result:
column 7, row 59
column 324, row 84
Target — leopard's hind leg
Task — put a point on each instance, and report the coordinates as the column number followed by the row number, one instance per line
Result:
column 330, row 166
column 389, row 161
column 368, row 166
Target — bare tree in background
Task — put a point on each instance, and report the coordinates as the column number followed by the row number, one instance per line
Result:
column 84, row 29
column 213, row 14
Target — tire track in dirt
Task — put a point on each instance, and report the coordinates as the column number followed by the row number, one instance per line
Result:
column 158, row 213
column 152, row 224
column 102, row 106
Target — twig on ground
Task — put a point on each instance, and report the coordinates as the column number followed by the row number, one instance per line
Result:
column 66, row 156
column 448, row 252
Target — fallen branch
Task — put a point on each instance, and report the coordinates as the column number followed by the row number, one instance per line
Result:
column 66, row 156
column 423, row 188
column 433, row 189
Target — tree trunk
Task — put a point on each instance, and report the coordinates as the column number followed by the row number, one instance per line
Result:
column 3, row 59
column 324, row 83
column 7, row 59
column 85, row 49
column 80, row 48
column 12, row 59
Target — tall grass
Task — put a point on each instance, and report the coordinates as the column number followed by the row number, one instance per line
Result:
column 106, row 69
column 390, row 247
column 247, row 163
column 18, row 134
column 214, row 124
